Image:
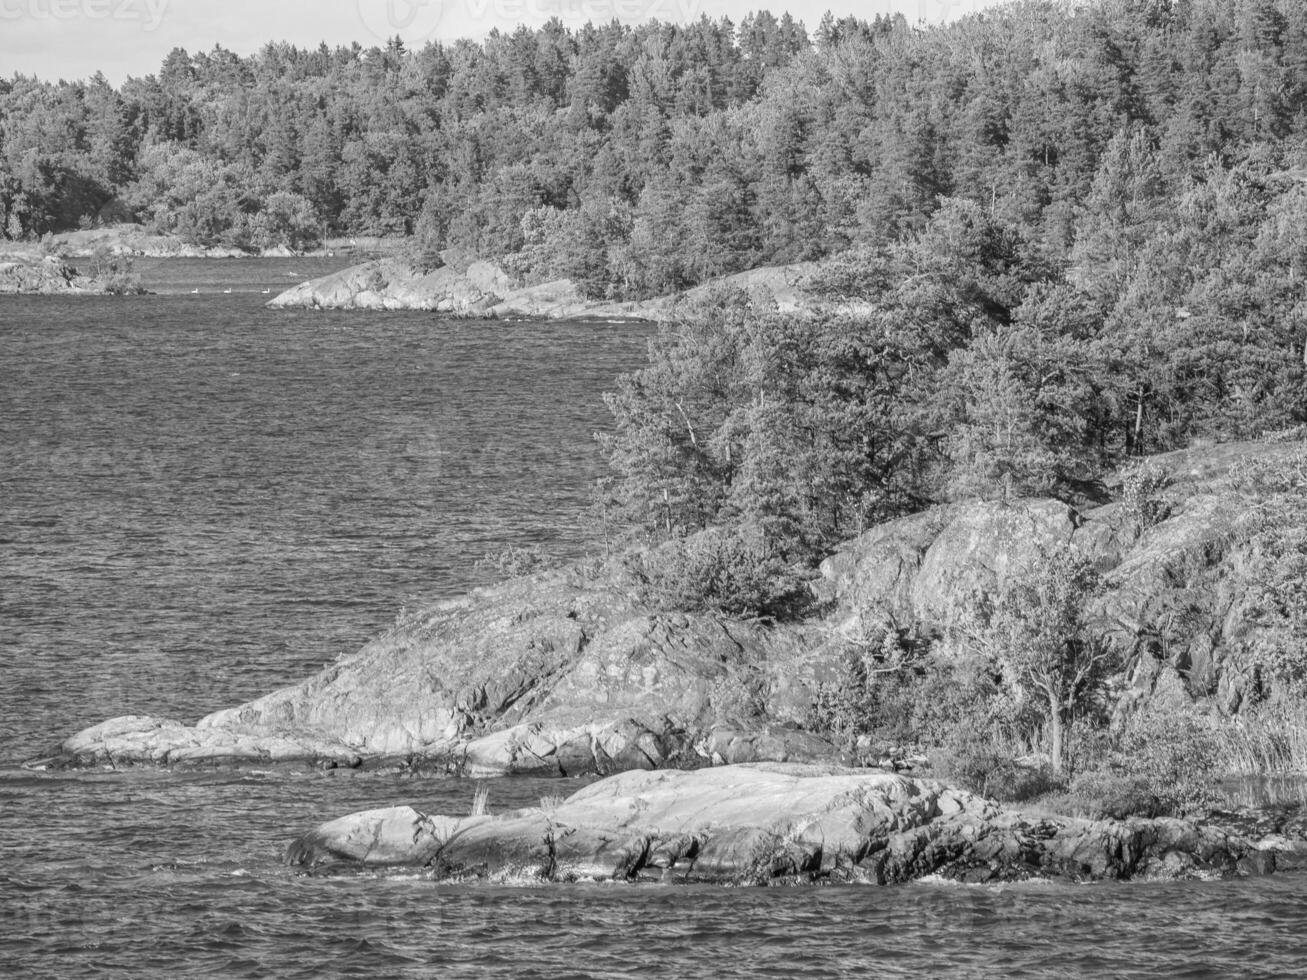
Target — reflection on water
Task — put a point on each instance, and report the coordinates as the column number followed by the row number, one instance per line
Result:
column 1260, row 791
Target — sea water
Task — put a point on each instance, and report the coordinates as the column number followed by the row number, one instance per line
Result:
column 202, row 500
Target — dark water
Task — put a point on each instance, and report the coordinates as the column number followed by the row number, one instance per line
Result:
column 201, row 500
column 204, row 500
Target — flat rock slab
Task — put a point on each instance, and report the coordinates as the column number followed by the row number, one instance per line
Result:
column 768, row 822
column 135, row 739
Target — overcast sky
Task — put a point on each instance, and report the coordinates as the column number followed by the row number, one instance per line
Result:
column 74, row 38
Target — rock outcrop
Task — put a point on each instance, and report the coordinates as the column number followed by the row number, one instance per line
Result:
column 1175, row 604
column 757, row 824
column 552, row 674
column 129, row 239
column 392, row 284
column 51, row 276
column 483, row 290
column 571, row 672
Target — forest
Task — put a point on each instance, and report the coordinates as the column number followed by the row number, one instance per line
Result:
column 1105, row 203
column 638, row 160
column 1059, row 234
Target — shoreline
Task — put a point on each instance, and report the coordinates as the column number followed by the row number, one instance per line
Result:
column 482, row 290
column 376, row 279
column 569, row 672
column 771, row 824
column 134, row 241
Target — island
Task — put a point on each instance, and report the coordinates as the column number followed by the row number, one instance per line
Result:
column 578, row 670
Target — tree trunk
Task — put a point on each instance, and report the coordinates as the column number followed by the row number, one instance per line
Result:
column 1139, row 422
column 1056, row 734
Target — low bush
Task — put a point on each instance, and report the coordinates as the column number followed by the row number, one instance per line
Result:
column 911, row 695
column 1160, row 764
column 1142, row 505
column 513, row 562
column 722, row 571
column 1178, row 755
column 995, row 775
column 1100, row 795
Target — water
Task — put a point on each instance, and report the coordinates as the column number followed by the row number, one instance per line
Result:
column 204, row 500
column 201, row 500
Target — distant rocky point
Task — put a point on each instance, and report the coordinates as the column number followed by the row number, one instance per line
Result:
column 132, row 240
column 53, row 276
column 482, row 289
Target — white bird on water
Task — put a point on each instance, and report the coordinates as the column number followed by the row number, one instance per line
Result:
column 227, row 290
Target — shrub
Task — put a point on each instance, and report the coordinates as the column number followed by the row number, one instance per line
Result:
column 1276, row 572
column 1160, row 764
column 123, row 284
column 114, row 272
column 1014, row 782
column 1141, row 503
column 898, row 694
column 989, row 773
column 719, row 570
column 1100, row 795
column 1178, row 755
column 841, row 712
column 513, row 562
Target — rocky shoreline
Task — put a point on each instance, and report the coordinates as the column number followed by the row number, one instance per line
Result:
column 574, row 670
column 51, row 276
column 386, row 281
column 136, row 241
column 577, row 671
column 483, row 290
column 784, row 824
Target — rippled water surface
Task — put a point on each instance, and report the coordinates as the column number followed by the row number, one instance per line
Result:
column 201, row 500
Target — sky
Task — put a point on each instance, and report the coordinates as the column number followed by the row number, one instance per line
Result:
column 73, row 39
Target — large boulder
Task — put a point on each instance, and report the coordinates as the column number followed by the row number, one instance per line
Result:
column 761, row 823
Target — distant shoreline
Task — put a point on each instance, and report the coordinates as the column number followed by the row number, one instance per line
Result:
column 135, row 241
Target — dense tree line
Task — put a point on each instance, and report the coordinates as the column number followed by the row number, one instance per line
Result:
column 637, row 160
column 1054, row 234
column 962, row 361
